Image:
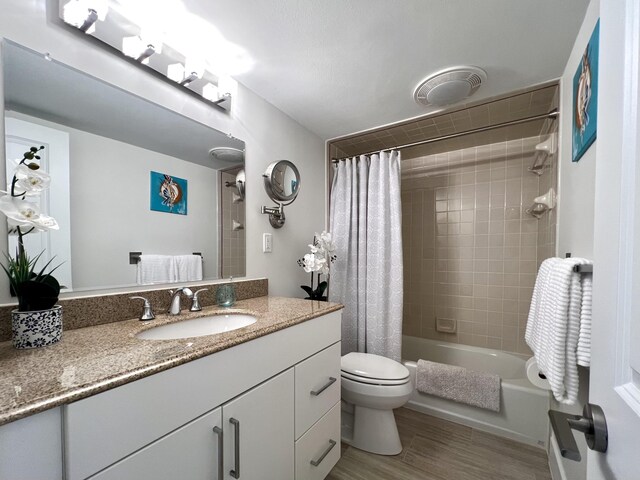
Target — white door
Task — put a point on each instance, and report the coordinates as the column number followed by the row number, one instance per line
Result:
column 258, row 432
column 20, row 136
column 615, row 364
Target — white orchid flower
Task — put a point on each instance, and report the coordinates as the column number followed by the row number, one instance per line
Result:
column 313, row 248
column 31, row 182
column 23, row 213
column 309, row 262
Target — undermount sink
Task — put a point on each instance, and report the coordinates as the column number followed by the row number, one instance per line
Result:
column 198, row 327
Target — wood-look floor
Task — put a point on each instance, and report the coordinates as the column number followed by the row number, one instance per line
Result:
column 435, row 449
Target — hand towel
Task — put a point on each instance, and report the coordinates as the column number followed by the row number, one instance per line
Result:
column 188, row 268
column 156, row 269
column 459, row 384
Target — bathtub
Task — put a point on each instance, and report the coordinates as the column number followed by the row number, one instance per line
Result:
column 523, row 412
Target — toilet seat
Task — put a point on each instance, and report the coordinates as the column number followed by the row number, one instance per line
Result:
column 373, row 369
column 373, row 381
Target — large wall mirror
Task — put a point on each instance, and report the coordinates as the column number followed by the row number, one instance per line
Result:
column 114, row 158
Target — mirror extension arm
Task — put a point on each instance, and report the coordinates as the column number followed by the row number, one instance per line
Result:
column 276, row 215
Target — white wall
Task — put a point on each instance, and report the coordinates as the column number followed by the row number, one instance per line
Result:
column 577, row 179
column 576, row 208
column 269, row 135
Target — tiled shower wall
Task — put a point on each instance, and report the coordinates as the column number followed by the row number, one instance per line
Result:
column 233, row 246
column 470, row 251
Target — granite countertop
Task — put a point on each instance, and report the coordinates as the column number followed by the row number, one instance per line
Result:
column 94, row 359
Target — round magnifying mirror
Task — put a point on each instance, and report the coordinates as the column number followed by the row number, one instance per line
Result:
column 282, row 181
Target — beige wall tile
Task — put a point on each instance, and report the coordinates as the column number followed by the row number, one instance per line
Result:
column 471, row 250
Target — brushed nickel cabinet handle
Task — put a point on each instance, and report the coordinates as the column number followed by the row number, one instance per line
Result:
column 218, row 431
column 315, row 463
column 331, row 381
column 235, row 472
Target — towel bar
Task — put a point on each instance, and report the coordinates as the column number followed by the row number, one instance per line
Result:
column 580, row 268
column 134, row 257
column 583, row 268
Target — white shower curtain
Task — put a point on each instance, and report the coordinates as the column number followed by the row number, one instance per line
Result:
column 365, row 220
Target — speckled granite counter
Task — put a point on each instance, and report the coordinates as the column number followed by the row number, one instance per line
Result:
column 94, row 359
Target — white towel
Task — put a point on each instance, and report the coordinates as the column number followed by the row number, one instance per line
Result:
column 188, row 268
column 584, row 339
column 156, row 269
column 554, row 327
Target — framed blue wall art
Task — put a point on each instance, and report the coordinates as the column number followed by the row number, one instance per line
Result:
column 585, row 98
column 168, row 194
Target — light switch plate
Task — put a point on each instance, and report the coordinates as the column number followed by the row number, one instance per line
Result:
column 267, row 243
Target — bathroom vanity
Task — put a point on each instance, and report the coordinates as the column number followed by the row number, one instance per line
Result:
column 262, row 402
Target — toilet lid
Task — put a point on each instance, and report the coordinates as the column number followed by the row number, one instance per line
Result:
column 368, row 366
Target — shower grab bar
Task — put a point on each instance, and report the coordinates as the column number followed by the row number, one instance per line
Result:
column 552, row 114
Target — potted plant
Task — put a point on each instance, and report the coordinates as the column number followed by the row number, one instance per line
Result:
column 37, row 322
column 318, row 262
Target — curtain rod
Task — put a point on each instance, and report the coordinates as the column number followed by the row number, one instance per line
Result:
column 552, row 114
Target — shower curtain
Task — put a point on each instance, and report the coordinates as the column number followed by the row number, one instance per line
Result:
column 365, row 221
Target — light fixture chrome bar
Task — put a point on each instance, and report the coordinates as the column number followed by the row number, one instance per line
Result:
column 92, row 18
column 150, row 50
column 189, row 78
column 552, row 114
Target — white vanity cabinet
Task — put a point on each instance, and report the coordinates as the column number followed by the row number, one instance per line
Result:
column 258, row 432
column 253, row 433
column 193, row 448
column 271, row 400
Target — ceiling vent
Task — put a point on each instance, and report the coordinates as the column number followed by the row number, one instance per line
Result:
column 449, row 86
column 227, row 154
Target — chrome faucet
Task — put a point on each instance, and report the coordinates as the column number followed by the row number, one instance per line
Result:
column 174, row 307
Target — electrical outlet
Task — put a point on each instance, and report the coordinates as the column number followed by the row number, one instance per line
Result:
column 267, row 243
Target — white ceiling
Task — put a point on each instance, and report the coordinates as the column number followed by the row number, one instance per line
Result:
column 341, row 66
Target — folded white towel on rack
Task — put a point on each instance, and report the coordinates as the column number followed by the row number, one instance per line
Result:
column 188, row 268
column 560, row 320
column 156, row 269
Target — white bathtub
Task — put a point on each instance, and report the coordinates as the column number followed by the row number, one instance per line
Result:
column 523, row 412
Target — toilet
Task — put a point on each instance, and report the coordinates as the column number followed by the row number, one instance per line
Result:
column 374, row 385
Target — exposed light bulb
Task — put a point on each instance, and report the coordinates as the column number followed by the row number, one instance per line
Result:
column 137, row 48
column 175, row 72
column 83, row 14
column 227, row 86
column 210, row 92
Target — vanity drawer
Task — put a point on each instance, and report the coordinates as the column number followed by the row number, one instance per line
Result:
column 317, row 387
column 318, row 450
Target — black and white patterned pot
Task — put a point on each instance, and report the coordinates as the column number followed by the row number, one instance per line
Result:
column 36, row 329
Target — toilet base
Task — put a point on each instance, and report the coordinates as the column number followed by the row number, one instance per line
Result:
column 375, row 431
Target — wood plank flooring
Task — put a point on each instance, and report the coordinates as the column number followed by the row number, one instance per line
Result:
column 436, row 449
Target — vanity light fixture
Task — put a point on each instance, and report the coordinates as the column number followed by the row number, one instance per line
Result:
column 162, row 44
column 83, row 14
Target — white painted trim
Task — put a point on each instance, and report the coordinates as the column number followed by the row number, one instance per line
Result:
column 555, row 462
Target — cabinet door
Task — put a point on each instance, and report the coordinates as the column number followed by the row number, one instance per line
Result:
column 191, row 451
column 258, row 432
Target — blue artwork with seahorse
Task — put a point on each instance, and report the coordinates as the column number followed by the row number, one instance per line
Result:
column 585, row 98
column 168, row 194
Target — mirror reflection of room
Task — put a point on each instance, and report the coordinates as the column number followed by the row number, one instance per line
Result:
column 177, row 220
